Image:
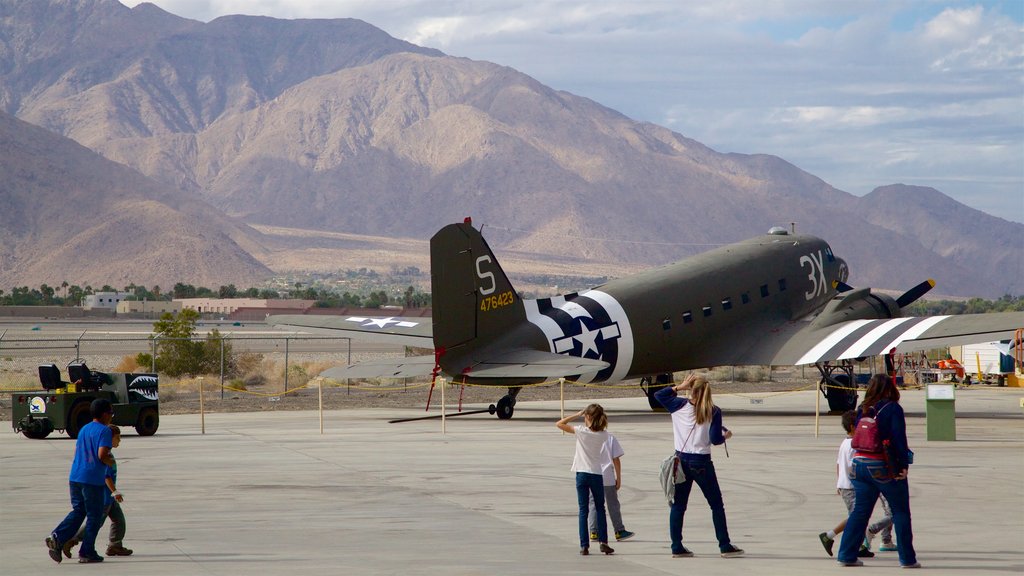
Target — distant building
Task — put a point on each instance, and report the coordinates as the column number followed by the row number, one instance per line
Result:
column 104, row 300
column 148, row 307
column 228, row 305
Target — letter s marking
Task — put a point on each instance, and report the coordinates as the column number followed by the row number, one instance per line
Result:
column 485, row 275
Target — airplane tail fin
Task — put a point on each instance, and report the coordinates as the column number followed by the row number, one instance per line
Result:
column 471, row 296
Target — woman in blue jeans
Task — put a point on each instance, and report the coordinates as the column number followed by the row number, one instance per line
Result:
column 588, row 463
column 696, row 425
column 883, row 473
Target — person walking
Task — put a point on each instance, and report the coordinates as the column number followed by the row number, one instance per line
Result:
column 880, row 470
column 696, row 426
column 86, row 480
column 111, row 510
column 612, row 484
column 844, row 488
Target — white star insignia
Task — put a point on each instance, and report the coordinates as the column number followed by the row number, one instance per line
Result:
column 380, row 322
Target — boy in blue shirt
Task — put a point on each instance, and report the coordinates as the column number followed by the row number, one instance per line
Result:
column 112, row 510
column 87, row 484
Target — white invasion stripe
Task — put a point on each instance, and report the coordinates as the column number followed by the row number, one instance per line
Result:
column 575, row 310
column 831, row 340
column 868, row 339
column 547, row 324
column 914, row 332
column 625, row 341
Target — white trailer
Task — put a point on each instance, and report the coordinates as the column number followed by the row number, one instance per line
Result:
column 987, row 356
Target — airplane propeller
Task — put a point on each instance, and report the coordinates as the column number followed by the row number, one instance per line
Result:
column 914, row 293
column 908, row 297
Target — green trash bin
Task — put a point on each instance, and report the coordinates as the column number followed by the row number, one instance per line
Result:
column 940, row 412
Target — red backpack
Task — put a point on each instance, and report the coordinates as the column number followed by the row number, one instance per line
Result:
column 866, row 437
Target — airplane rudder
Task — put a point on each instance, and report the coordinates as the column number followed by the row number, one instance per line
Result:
column 468, row 285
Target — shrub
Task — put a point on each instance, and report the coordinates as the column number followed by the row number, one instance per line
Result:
column 130, row 364
column 253, row 381
column 142, row 359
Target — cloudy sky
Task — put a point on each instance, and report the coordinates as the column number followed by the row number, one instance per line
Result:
column 861, row 93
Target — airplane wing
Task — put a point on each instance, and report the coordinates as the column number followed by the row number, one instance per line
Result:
column 521, row 363
column 401, row 331
column 408, row 367
column 525, row 363
column 804, row 343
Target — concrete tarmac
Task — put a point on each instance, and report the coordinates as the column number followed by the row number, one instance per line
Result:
column 266, row 493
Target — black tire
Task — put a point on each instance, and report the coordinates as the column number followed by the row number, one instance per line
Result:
column 505, row 408
column 148, row 422
column 37, row 434
column 78, row 416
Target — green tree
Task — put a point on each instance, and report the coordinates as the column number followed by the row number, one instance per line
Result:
column 177, row 352
column 75, row 295
column 47, row 293
column 184, row 290
column 212, row 355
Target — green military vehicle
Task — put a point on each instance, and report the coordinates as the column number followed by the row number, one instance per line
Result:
column 65, row 405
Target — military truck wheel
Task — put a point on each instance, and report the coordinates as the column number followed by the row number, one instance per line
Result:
column 40, row 429
column 149, row 421
column 78, row 416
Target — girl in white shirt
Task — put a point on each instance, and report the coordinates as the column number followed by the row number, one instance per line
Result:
column 589, row 463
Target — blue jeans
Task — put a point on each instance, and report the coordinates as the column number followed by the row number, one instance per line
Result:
column 588, row 485
column 703, row 473
column 871, row 478
column 86, row 504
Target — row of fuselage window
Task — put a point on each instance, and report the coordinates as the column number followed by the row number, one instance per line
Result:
column 727, row 304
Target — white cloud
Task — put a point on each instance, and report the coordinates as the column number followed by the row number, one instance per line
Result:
column 953, row 25
column 858, row 93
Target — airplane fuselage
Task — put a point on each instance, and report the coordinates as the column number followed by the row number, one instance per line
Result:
column 647, row 324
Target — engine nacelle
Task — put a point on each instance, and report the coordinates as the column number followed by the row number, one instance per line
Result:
column 859, row 304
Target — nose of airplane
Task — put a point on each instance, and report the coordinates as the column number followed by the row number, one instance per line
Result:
column 842, row 270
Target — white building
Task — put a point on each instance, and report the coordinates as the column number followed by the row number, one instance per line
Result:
column 229, row 305
column 103, row 300
column 148, row 307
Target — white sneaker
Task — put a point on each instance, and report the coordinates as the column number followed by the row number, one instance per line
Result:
column 868, row 537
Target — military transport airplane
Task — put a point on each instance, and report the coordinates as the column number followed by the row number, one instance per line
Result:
column 778, row 299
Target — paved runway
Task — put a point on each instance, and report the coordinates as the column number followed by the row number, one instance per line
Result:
column 20, row 337
column 267, row 494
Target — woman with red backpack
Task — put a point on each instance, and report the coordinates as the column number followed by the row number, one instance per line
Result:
column 880, row 463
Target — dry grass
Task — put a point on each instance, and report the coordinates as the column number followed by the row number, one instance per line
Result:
column 128, row 364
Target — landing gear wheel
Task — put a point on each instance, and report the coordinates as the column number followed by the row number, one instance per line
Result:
column 504, row 408
column 78, row 416
column 148, row 422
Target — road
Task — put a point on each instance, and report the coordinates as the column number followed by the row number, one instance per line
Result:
column 20, row 337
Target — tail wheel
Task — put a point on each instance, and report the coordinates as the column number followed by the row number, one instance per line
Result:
column 148, row 422
column 78, row 416
column 505, row 407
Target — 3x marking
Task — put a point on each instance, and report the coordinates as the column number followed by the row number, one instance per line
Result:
column 817, row 274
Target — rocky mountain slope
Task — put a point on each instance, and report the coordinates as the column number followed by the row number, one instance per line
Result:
column 332, row 125
column 67, row 214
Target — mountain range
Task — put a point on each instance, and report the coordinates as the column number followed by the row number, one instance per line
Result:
column 332, row 127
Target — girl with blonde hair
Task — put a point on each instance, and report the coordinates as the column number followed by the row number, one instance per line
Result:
column 589, row 463
column 696, row 425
